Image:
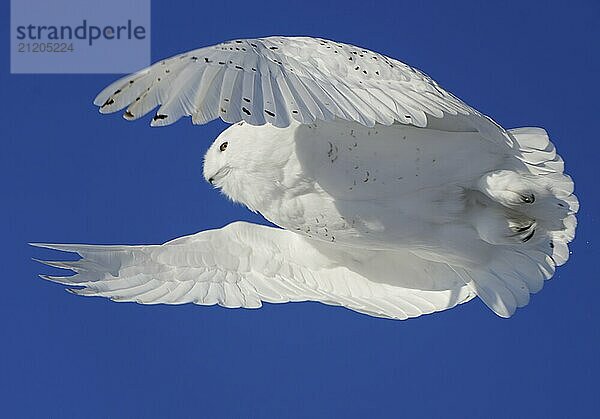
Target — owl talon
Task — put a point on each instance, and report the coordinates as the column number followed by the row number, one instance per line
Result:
column 528, row 198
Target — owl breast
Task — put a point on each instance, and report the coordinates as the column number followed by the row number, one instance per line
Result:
column 380, row 187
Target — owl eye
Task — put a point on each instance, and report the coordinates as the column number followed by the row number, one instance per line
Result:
column 223, row 146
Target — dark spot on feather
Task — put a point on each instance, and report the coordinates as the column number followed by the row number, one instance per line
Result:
column 238, row 42
column 253, row 69
column 128, row 115
column 117, row 92
column 239, row 67
column 108, row 102
column 273, row 48
column 246, row 100
column 206, row 60
column 225, row 100
column 222, row 62
column 223, row 110
column 269, row 113
column 246, row 111
column 194, row 58
column 294, row 112
column 131, row 81
column 159, row 116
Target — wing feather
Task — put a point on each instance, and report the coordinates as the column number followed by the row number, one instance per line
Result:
column 252, row 101
column 243, row 264
column 296, row 108
column 280, row 79
column 231, row 110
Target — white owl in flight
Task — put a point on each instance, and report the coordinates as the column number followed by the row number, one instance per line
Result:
column 394, row 197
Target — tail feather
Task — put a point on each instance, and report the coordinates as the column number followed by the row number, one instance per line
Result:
column 533, row 193
column 559, row 216
column 537, row 151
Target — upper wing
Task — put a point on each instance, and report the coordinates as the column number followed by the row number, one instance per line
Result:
column 280, row 79
column 243, row 264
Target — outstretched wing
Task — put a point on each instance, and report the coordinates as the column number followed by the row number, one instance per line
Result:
column 243, row 264
column 281, row 79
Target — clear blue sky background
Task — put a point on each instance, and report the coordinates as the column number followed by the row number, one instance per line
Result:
column 70, row 175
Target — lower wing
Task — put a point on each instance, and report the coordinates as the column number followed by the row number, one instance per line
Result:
column 242, row 265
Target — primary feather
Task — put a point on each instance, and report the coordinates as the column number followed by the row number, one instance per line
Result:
column 395, row 198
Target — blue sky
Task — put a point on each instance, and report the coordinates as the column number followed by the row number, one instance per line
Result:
column 71, row 175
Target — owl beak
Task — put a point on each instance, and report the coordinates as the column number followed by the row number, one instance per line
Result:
column 221, row 173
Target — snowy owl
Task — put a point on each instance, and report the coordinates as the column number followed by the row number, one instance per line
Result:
column 394, row 198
